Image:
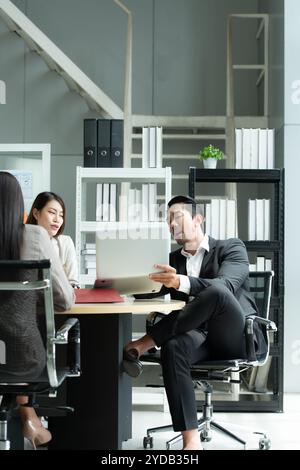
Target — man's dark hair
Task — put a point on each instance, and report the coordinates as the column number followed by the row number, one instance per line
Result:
column 196, row 208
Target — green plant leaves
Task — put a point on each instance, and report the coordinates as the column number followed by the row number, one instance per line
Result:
column 211, row 152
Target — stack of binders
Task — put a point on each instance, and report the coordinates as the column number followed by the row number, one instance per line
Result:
column 103, row 143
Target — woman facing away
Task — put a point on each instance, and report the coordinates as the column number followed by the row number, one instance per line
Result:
column 48, row 210
column 27, row 357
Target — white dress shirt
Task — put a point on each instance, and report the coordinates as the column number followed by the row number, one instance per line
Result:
column 193, row 265
column 64, row 247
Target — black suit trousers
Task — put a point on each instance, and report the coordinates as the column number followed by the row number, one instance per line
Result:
column 184, row 342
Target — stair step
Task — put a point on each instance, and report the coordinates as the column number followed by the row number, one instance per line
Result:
column 169, row 156
column 54, row 57
column 249, row 67
column 205, row 122
column 187, row 136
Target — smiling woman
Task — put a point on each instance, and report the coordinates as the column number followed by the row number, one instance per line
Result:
column 48, row 210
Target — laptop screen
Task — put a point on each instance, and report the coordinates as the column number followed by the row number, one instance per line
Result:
column 126, row 255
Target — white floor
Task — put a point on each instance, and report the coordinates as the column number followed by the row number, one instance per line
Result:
column 282, row 428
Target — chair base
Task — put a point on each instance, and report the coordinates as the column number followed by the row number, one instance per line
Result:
column 205, row 426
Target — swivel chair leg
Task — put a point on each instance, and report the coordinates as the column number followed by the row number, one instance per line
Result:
column 217, row 426
column 4, row 442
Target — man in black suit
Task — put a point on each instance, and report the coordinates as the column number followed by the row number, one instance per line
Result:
column 212, row 277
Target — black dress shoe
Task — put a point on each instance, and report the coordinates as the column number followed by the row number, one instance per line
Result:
column 131, row 364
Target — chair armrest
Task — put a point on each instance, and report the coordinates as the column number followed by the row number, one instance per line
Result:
column 152, row 317
column 69, row 333
column 249, row 333
column 63, row 332
column 249, row 336
column 270, row 325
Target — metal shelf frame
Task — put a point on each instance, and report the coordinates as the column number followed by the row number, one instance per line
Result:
column 273, row 401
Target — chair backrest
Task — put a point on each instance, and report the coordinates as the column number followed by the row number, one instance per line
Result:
column 261, row 288
column 32, row 277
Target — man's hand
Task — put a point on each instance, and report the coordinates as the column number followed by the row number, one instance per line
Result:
column 167, row 276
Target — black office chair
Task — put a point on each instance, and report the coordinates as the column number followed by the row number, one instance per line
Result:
column 35, row 277
column 227, row 370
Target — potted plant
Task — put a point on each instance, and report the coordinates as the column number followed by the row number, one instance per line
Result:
column 210, row 155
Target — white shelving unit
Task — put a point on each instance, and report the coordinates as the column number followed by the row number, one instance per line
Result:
column 125, row 176
column 32, row 158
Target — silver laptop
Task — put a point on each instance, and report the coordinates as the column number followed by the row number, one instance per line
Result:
column 125, row 256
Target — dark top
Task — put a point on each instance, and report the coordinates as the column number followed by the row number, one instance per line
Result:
column 225, row 264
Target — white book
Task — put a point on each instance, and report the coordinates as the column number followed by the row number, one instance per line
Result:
column 208, row 218
column 252, row 377
column 259, row 219
column 113, row 202
column 123, row 208
column 145, row 147
column 266, row 219
column 145, row 202
column 223, row 218
column 238, row 148
column 261, row 379
column 251, row 219
column 254, row 148
column 89, row 257
column 88, row 251
column 271, row 148
column 138, row 205
column 262, row 149
column 231, row 222
column 252, row 267
column 152, row 202
column 260, row 263
column 123, row 202
column 215, row 218
column 246, row 155
column 105, row 202
column 159, row 146
column 90, row 246
column 90, row 264
column 152, row 147
column 131, row 206
column 91, row 272
column 99, row 202
column 268, row 264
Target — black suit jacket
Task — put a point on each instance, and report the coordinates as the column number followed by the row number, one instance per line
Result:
column 226, row 264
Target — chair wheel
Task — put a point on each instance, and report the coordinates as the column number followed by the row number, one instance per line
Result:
column 148, row 440
column 205, row 436
column 264, row 444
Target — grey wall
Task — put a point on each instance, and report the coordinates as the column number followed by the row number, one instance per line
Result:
column 179, row 68
column 292, row 191
column 190, row 56
column 275, row 8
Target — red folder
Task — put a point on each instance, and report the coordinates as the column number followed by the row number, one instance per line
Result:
column 96, row 296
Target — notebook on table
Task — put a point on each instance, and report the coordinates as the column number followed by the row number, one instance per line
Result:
column 97, row 296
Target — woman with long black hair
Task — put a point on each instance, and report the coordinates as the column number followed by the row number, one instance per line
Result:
column 26, row 242
column 49, row 211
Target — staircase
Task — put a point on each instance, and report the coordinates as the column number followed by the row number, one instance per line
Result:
column 56, row 60
column 189, row 133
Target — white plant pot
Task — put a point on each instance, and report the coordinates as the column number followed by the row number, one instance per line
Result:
column 210, row 163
